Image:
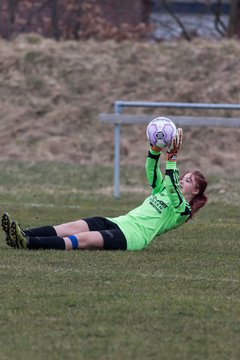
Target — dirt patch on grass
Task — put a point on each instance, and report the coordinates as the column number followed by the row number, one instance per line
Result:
column 51, row 94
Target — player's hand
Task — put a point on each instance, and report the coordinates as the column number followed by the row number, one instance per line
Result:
column 175, row 145
column 176, row 142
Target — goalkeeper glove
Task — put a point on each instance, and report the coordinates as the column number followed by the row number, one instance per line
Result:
column 175, row 145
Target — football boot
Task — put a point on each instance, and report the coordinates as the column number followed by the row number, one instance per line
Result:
column 6, row 223
column 20, row 238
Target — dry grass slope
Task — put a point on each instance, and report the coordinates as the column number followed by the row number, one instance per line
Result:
column 51, row 94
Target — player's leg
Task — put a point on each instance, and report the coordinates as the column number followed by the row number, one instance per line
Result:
column 112, row 239
column 74, row 227
column 43, row 231
column 86, row 240
column 58, row 230
column 23, row 241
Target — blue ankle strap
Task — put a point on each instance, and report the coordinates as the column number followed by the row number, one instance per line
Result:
column 74, row 241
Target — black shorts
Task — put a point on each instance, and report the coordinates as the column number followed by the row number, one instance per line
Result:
column 113, row 237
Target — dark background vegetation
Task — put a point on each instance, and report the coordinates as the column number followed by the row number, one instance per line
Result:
column 107, row 19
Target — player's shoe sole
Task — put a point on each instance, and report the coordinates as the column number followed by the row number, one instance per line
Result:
column 20, row 238
column 6, row 223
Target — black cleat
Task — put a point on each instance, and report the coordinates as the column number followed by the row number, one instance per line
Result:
column 6, row 223
column 18, row 235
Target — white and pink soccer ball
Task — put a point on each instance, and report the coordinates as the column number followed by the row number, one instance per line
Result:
column 160, row 132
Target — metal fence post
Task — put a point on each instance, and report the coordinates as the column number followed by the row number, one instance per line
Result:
column 117, row 153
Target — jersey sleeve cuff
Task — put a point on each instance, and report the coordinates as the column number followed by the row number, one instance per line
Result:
column 171, row 165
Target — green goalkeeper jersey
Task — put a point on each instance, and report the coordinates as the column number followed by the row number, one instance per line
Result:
column 163, row 210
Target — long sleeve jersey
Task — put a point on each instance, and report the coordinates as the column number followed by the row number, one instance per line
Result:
column 163, row 210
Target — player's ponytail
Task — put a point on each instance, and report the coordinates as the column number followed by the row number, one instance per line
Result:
column 199, row 200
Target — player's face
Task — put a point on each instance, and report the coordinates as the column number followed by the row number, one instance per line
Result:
column 188, row 185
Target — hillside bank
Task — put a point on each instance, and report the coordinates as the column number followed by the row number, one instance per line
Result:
column 51, row 94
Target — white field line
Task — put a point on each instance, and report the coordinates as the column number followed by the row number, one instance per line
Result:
column 52, row 206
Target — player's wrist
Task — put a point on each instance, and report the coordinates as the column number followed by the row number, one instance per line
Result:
column 155, row 149
column 171, row 156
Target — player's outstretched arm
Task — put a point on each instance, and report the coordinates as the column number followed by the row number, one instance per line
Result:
column 153, row 172
column 172, row 174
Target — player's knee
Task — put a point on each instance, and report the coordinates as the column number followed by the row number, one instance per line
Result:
column 90, row 240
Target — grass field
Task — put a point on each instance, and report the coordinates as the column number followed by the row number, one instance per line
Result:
column 178, row 299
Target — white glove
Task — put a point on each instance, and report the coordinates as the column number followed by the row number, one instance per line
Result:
column 176, row 142
column 175, row 145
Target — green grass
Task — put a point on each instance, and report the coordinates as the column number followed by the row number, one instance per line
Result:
column 178, row 299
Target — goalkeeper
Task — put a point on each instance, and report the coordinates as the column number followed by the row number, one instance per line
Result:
column 173, row 201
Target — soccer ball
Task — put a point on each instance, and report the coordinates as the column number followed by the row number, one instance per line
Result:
column 161, row 131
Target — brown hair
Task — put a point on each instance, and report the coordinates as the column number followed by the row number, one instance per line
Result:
column 200, row 199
